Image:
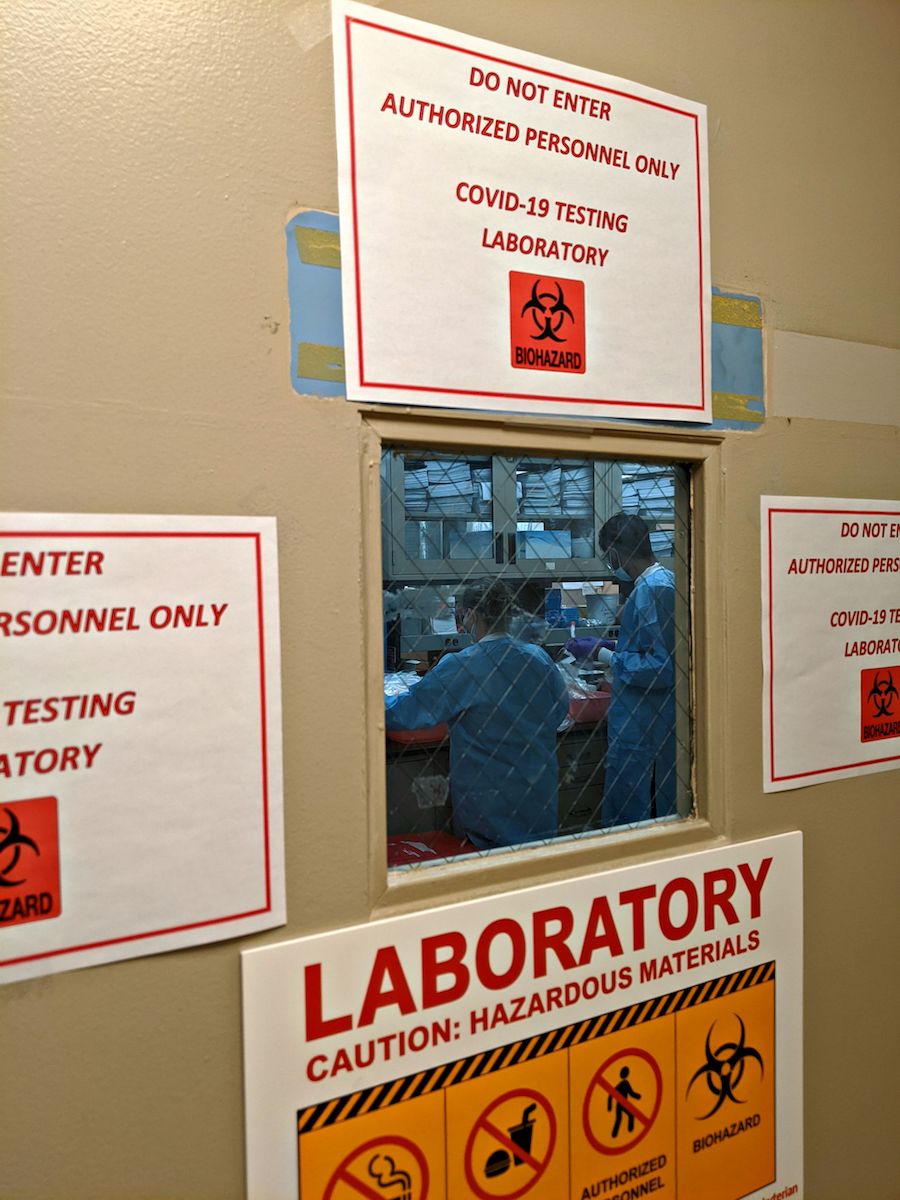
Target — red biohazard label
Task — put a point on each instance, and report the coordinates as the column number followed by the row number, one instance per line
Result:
column 546, row 322
column 29, row 862
column 879, row 703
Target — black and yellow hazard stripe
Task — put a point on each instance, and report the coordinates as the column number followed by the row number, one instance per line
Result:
column 344, row 1108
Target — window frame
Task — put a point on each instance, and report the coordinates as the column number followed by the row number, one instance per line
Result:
column 468, row 433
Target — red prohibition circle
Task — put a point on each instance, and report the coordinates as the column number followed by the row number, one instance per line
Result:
column 634, row 1052
column 477, row 1189
column 338, row 1175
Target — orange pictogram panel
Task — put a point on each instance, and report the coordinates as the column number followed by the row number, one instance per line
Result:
column 879, row 703
column 622, row 1093
column 394, row 1154
column 29, row 861
column 546, row 322
column 507, row 1134
column 726, row 1095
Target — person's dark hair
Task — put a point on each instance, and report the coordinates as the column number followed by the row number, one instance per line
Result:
column 490, row 600
column 627, row 534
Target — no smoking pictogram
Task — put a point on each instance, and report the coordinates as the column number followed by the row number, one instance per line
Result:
column 391, row 1167
column 510, row 1145
column 625, row 1114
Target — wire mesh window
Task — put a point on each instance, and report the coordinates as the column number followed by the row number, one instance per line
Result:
column 536, row 649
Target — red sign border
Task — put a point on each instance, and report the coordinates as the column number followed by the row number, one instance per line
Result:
column 588, row 85
column 770, row 714
column 256, row 538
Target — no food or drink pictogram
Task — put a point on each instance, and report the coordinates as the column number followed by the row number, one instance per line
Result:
column 385, row 1168
column 510, row 1145
column 629, row 1086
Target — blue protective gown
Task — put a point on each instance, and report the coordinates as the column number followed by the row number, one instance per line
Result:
column 640, row 763
column 503, row 701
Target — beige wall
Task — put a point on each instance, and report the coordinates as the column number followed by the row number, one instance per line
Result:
column 152, row 153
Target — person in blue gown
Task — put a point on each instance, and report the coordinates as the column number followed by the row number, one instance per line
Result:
column 503, row 700
column 640, row 778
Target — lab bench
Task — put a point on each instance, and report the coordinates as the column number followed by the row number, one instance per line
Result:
column 418, row 772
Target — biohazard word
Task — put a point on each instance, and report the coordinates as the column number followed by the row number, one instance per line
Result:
column 546, row 323
column 879, row 704
column 499, row 1148
column 29, row 861
column 727, row 1131
column 385, row 1168
column 631, row 1113
column 724, row 1069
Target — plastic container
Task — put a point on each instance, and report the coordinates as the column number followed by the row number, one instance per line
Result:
column 589, row 709
column 432, row 736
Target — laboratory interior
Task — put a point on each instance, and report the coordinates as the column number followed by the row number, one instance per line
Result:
column 451, row 520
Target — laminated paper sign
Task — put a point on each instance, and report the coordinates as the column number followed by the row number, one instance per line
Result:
column 626, row 1033
column 140, row 736
column 517, row 233
column 830, row 638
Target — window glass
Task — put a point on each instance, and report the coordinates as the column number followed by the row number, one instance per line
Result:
column 536, row 649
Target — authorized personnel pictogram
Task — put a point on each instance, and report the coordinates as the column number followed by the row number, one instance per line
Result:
column 510, row 1145
column 12, row 843
column 546, row 316
column 879, row 703
column 628, row 1113
column 724, row 1069
column 385, row 1168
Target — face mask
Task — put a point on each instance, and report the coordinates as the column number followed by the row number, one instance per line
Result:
column 619, row 571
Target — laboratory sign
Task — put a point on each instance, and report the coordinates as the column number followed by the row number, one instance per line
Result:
column 614, row 1035
column 831, row 639
column 140, row 773
column 517, row 233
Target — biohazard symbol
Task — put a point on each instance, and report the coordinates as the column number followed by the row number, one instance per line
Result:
column 883, row 695
column 724, row 1068
column 11, row 845
column 548, row 312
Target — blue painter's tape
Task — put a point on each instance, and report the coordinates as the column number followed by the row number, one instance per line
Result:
column 737, row 360
column 314, row 292
column 315, row 301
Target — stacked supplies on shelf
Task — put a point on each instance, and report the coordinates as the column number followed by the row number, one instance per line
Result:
column 541, row 493
column 648, row 491
column 415, row 489
column 450, row 490
column 481, row 482
column 663, row 543
column 578, row 490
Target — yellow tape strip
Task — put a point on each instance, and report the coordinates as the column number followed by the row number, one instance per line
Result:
column 729, row 310
column 315, row 361
column 319, row 247
column 727, row 406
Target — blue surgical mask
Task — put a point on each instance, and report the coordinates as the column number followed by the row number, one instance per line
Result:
column 618, row 570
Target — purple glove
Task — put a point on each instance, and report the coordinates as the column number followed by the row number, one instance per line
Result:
column 586, row 648
column 582, row 648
